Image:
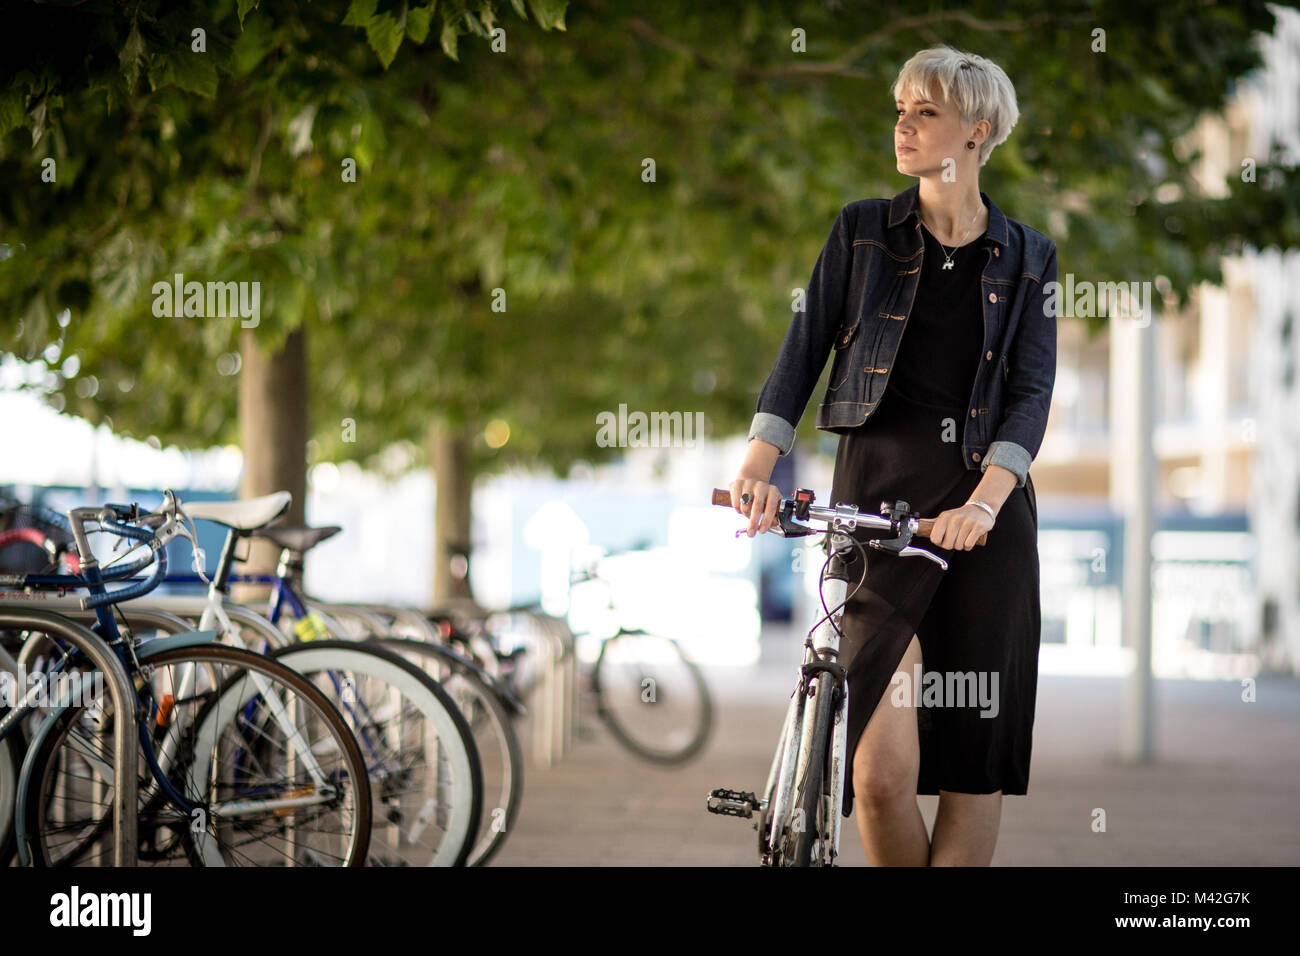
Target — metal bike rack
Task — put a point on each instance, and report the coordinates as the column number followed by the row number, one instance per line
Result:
column 161, row 620
column 101, row 656
column 192, row 608
column 409, row 618
column 551, row 698
column 565, row 700
column 174, row 613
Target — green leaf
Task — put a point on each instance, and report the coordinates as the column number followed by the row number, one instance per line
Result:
column 192, row 72
column 38, row 115
column 244, row 7
column 448, row 40
column 251, row 47
column 360, row 13
column 130, row 57
column 549, row 14
column 384, row 33
column 417, row 22
column 472, row 23
column 12, row 114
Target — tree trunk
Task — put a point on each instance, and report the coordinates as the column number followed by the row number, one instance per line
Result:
column 449, row 457
column 273, row 432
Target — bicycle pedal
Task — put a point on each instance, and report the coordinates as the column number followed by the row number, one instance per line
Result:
column 732, row 803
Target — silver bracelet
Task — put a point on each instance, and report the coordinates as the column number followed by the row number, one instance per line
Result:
column 986, row 507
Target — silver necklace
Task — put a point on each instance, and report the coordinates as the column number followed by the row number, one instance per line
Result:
column 946, row 255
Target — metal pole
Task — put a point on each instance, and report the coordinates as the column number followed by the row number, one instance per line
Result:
column 101, row 656
column 1136, row 337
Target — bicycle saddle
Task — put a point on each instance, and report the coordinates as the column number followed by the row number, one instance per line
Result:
column 248, row 514
column 298, row 538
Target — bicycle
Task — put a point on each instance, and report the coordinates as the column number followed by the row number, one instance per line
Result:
column 475, row 719
column 246, row 761
column 800, row 810
column 633, row 663
column 647, row 691
column 421, row 756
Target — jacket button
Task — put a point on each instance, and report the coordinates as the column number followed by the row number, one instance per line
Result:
column 972, row 413
column 975, row 456
column 996, row 251
column 993, row 297
column 846, row 339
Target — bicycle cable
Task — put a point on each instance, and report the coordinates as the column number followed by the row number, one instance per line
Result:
column 821, row 583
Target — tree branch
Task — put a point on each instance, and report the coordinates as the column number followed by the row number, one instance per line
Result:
column 842, row 65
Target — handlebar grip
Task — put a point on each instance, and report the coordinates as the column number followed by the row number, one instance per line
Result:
column 924, row 526
column 722, row 496
column 132, row 591
column 158, row 556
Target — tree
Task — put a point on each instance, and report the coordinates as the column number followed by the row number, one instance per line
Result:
column 521, row 177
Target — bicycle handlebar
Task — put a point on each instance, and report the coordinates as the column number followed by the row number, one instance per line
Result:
column 114, row 519
column 799, row 507
column 157, row 555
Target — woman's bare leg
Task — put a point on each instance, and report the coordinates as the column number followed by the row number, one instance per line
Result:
column 886, row 765
column 966, row 828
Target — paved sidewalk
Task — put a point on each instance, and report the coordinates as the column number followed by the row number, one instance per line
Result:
column 1223, row 793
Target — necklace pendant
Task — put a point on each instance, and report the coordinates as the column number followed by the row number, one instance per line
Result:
column 948, row 264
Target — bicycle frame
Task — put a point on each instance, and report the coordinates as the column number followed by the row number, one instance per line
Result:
column 820, row 669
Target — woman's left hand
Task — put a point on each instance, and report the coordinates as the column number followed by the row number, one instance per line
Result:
column 959, row 528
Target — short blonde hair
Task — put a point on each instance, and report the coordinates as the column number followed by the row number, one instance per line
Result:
column 979, row 88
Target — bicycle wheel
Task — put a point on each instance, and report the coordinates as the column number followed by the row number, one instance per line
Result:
column 653, row 698
column 500, row 754
column 272, row 768
column 811, row 794
column 11, row 755
column 424, row 768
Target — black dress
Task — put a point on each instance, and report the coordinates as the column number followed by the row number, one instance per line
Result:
column 981, row 617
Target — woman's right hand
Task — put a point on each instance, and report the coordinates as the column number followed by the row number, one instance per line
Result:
column 761, row 505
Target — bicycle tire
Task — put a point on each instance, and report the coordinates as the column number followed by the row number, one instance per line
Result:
column 435, row 705
column 197, row 766
column 666, row 756
column 509, row 797
column 810, row 790
column 11, row 756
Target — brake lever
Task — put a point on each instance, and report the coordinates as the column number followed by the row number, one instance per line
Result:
column 776, row 529
column 910, row 552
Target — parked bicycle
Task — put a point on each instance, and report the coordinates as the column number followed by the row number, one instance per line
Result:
column 460, row 810
column 420, row 754
column 645, row 688
column 245, row 761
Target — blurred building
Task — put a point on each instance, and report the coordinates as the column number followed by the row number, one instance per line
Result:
column 1227, row 417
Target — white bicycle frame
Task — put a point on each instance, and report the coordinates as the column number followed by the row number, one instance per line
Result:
column 795, row 745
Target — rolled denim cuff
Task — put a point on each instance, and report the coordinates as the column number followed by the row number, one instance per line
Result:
column 774, row 430
column 1010, row 456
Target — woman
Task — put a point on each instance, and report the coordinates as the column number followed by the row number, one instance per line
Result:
column 947, row 417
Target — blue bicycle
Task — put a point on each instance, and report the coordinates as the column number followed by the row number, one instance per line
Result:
column 240, row 760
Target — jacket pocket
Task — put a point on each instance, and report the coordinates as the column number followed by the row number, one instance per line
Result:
column 843, row 364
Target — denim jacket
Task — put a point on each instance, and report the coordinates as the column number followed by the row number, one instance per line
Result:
column 857, row 303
